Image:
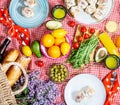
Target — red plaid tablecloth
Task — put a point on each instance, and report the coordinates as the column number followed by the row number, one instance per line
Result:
column 98, row 69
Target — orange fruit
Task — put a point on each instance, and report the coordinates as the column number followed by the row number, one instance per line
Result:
column 47, row 40
column 54, row 52
column 117, row 41
column 65, row 48
column 58, row 41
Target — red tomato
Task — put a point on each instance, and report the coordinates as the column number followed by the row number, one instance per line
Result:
column 86, row 36
column 71, row 23
column 76, row 45
column 92, row 30
column 83, row 29
column 40, row 63
column 80, row 38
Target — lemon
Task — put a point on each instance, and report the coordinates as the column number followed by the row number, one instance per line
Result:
column 59, row 33
column 65, row 48
column 26, row 51
column 47, row 40
column 54, row 51
column 58, row 41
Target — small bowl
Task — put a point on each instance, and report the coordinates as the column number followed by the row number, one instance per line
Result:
column 60, row 12
column 44, row 50
column 58, row 72
column 112, row 62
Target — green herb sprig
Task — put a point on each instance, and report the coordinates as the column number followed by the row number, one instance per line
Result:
column 81, row 56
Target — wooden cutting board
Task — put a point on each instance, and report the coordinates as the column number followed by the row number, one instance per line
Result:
column 78, row 33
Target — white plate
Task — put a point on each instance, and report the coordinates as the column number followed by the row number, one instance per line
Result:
column 40, row 13
column 80, row 81
column 85, row 18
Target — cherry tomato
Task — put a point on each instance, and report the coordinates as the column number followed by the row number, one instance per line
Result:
column 86, row 36
column 80, row 38
column 40, row 63
column 83, row 29
column 76, row 45
column 71, row 23
column 92, row 30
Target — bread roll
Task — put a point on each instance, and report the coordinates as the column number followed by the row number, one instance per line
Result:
column 10, row 57
column 85, row 93
column 27, row 12
column 98, row 15
column 75, row 11
column 82, row 3
column 102, row 2
column 92, row 2
column 90, row 9
column 70, row 3
column 30, row 3
column 14, row 72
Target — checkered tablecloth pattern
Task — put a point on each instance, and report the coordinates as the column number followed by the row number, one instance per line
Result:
column 97, row 69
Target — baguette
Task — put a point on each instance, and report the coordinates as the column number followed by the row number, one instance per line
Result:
column 10, row 57
column 14, row 72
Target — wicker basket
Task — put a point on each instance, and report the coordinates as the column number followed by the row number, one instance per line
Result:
column 7, row 96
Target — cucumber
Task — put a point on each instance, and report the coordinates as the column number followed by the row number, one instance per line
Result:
column 52, row 24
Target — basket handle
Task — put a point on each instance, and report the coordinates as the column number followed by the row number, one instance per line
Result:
column 24, row 73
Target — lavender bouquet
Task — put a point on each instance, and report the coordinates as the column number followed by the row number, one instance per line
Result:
column 38, row 92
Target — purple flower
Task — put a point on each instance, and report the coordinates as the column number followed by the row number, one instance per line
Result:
column 32, row 93
column 47, row 102
column 41, row 92
column 42, row 101
column 36, row 103
column 39, row 96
